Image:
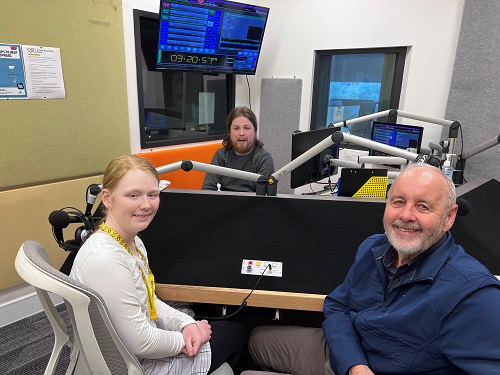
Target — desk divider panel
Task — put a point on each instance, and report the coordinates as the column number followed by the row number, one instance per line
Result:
column 201, row 238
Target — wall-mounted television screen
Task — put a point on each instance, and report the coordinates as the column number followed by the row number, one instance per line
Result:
column 211, row 36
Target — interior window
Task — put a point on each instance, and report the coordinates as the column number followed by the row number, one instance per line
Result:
column 354, row 83
column 176, row 107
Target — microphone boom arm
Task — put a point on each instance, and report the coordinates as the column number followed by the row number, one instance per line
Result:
column 265, row 186
column 188, row 165
column 338, row 137
column 482, row 147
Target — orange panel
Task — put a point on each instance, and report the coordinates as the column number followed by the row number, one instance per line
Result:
column 193, row 180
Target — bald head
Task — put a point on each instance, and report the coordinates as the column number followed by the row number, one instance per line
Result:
column 420, row 173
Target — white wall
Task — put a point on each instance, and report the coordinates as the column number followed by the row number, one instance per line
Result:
column 296, row 28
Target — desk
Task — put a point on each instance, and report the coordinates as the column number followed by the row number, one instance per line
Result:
column 198, row 239
column 233, row 296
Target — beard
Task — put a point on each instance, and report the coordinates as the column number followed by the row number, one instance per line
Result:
column 412, row 246
column 243, row 150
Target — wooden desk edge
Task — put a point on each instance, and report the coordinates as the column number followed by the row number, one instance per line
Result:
column 231, row 296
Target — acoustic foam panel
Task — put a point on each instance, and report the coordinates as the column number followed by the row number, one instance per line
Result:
column 474, row 99
column 279, row 118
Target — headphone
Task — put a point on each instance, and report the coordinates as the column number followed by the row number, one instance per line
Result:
column 60, row 219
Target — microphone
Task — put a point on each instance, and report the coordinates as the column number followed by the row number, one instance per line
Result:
column 463, row 206
column 61, row 219
column 93, row 192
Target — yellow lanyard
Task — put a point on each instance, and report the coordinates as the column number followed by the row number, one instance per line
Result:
column 149, row 286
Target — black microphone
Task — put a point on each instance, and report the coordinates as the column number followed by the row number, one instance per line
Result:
column 463, row 206
column 61, row 219
column 93, row 192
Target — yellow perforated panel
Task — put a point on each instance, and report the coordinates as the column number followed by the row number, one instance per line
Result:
column 375, row 187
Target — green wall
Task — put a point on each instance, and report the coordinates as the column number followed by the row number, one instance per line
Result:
column 59, row 139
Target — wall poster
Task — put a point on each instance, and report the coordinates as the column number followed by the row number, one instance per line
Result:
column 30, row 72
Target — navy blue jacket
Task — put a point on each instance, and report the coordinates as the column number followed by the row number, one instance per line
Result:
column 444, row 318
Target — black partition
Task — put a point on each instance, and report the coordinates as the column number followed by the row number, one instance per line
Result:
column 479, row 231
column 201, row 237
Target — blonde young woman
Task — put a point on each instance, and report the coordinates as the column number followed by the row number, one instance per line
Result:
column 114, row 262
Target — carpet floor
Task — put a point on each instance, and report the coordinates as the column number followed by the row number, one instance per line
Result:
column 26, row 345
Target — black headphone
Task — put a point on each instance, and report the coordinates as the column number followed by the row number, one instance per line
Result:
column 60, row 219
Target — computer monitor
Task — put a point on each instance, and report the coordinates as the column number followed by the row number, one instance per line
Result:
column 216, row 36
column 396, row 135
column 316, row 168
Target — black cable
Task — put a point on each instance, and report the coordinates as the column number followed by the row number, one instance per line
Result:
column 330, row 185
column 347, row 144
column 462, row 152
column 249, row 100
column 243, row 303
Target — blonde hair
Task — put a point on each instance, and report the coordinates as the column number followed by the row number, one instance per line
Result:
column 120, row 165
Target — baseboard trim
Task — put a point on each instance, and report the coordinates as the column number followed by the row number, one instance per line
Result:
column 19, row 302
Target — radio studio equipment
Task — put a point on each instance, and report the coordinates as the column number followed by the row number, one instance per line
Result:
column 60, row 219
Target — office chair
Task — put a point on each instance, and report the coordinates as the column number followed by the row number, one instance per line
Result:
column 96, row 347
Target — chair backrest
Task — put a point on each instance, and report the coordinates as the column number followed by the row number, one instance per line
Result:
column 97, row 348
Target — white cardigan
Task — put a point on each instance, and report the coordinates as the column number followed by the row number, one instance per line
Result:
column 105, row 266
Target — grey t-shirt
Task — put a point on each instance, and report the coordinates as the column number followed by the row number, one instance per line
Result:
column 258, row 161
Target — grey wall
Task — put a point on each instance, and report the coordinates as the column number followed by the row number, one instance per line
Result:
column 279, row 118
column 474, row 98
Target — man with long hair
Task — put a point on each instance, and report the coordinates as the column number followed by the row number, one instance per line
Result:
column 241, row 150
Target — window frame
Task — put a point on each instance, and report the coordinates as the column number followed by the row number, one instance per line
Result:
column 319, row 80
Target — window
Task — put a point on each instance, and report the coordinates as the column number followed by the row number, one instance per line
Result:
column 177, row 107
column 354, row 83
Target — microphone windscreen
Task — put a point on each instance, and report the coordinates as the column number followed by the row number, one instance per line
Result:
column 463, row 206
column 59, row 219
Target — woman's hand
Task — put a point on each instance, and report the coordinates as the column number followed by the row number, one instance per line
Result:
column 360, row 370
column 193, row 339
column 205, row 329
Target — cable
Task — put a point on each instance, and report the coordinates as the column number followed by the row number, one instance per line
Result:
column 243, row 303
column 249, row 100
column 462, row 152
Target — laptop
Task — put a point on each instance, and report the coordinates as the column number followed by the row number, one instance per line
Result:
column 363, row 183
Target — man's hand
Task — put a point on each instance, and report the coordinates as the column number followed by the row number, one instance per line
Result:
column 360, row 370
column 193, row 339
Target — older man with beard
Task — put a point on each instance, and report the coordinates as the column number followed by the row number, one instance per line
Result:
column 412, row 303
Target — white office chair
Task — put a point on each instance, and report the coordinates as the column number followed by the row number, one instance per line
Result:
column 96, row 347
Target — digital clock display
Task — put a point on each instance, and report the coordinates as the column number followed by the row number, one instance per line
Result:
column 185, row 58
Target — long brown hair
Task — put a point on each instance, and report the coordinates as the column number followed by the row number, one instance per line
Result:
column 240, row 112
